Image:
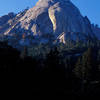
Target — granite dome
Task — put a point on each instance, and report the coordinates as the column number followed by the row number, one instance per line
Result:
column 60, row 18
column 54, row 16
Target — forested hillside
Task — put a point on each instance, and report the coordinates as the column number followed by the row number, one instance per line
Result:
column 60, row 71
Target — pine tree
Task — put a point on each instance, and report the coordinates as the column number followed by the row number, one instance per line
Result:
column 79, row 69
column 53, row 61
column 24, row 53
column 85, row 68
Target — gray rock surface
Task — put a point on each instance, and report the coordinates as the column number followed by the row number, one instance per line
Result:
column 55, row 16
column 58, row 18
column 96, row 30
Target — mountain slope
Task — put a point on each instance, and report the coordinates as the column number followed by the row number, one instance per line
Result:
column 55, row 16
column 4, row 21
column 57, row 19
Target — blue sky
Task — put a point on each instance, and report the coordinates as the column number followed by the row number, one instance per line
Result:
column 91, row 8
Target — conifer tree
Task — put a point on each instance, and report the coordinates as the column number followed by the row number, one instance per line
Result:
column 84, row 66
column 24, row 53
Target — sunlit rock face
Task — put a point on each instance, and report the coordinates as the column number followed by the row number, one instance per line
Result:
column 54, row 16
column 37, row 18
column 66, row 18
column 59, row 19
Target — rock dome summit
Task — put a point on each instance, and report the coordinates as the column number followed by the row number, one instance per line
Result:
column 60, row 18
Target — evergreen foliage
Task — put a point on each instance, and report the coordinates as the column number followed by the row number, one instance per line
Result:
column 61, row 70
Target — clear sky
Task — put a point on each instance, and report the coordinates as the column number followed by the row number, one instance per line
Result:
column 91, row 8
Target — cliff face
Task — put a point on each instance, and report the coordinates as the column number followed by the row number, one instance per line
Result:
column 59, row 18
column 96, row 30
column 4, row 21
column 55, row 16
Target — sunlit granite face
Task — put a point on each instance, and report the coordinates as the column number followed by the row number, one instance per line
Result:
column 55, row 17
column 52, row 15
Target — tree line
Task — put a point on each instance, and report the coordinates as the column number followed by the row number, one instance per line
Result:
column 60, row 72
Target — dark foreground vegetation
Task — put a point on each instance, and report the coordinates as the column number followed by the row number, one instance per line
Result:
column 62, row 72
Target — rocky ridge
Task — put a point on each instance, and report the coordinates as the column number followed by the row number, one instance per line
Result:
column 51, row 20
